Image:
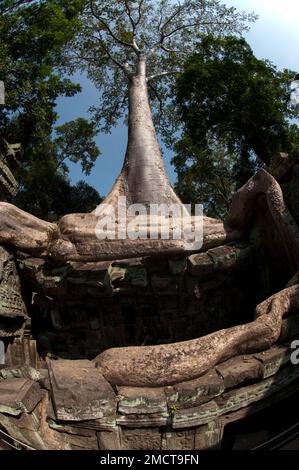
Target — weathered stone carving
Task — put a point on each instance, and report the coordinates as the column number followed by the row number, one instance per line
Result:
column 79, row 391
column 18, row 395
column 13, row 313
column 9, row 160
column 173, row 394
column 188, row 415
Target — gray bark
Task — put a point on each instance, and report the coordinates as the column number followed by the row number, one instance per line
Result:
column 167, row 364
column 143, row 178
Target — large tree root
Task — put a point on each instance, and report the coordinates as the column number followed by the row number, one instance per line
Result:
column 23, row 231
column 75, row 239
column 171, row 363
column 243, row 208
column 168, row 364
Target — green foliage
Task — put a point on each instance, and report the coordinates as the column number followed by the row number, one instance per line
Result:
column 115, row 34
column 228, row 97
column 47, row 178
column 35, row 36
column 75, row 142
column 227, row 91
column 204, row 176
column 57, row 197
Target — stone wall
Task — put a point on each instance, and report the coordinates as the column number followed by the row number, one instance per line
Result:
column 53, row 396
column 49, row 408
column 79, row 310
column 13, row 313
column 9, row 154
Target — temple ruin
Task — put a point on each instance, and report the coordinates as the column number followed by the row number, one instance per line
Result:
column 159, row 348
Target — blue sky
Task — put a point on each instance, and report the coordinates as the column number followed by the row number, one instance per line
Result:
column 275, row 36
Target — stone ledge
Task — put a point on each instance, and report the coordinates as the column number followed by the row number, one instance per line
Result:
column 234, row 400
column 273, row 359
column 79, row 391
column 143, row 420
column 240, row 370
column 136, row 400
column 218, row 259
column 197, row 391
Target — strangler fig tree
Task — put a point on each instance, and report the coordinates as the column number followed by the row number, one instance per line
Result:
column 132, row 50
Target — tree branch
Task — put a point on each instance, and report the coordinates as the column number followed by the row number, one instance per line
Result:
column 160, row 19
column 163, row 36
column 129, row 13
column 86, row 58
column 167, row 49
column 160, row 101
column 124, row 67
column 109, row 30
column 169, row 20
column 135, row 46
column 162, row 74
column 161, row 29
column 128, row 10
column 139, row 12
column 192, row 25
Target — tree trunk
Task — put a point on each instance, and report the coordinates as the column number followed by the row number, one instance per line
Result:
column 143, row 178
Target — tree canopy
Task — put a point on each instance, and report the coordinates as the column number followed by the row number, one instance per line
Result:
column 234, row 109
column 116, row 34
column 34, row 36
column 229, row 98
column 47, row 176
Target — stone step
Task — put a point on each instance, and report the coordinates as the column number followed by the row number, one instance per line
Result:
column 19, row 395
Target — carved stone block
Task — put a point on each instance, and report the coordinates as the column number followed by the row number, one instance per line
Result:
column 273, row 359
column 201, row 390
column 240, row 370
column 19, row 395
column 209, row 436
column 180, row 440
column 216, row 259
column 12, row 308
column 109, row 440
column 79, row 391
column 136, row 400
column 141, row 439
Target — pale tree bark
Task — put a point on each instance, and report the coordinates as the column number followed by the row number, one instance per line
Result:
column 167, row 364
column 143, row 178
